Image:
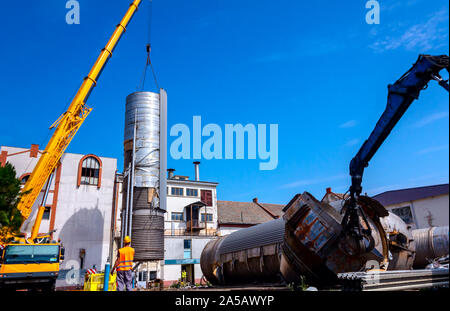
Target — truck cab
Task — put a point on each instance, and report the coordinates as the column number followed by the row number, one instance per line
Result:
column 30, row 266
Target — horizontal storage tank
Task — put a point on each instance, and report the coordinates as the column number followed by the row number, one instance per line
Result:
column 245, row 256
column 143, row 115
column 431, row 243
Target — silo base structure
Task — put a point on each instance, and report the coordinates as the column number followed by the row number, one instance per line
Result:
column 145, row 153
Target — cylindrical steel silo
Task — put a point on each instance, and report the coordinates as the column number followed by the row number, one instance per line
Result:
column 144, row 127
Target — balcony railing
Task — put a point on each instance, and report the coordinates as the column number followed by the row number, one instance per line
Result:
column 184, row 232
column 198, row 228
column 193, row 225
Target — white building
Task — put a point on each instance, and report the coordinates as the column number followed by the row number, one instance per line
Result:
column 190, row 223
column 81, row 204
column 420, row 207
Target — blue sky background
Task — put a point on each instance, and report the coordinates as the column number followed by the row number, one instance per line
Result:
column 313, row 67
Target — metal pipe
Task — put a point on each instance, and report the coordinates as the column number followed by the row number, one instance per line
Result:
column 170, row 173
column 162, row 149
column 197, row 170
column 125, row 223
column 133, row 159
column 106, row 276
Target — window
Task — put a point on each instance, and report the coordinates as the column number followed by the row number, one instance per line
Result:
column 24, row 179
column 142, row 276
column 90, row 171
column 46, row 214
column 187, row 249
column 177, row 191
column 209, row 217
column 206, row 197
column 153, row 275
column 177, row 216
column 23, row 254
column 191, row 192
column 404, row 213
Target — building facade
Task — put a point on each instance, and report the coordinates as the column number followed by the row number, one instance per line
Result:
column 190, row 222
column 80, row 207
column 420, row 207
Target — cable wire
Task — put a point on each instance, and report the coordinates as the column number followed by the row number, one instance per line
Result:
column 148, row 47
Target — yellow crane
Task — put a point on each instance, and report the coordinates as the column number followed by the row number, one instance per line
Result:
column 25, row 262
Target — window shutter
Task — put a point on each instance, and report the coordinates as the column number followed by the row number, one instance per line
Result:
column 206, row 197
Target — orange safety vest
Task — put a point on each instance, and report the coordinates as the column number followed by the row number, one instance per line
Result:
column 126, row 255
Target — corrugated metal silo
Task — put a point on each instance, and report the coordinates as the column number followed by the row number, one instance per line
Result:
column 145, row 116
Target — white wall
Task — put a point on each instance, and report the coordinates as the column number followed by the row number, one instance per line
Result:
column 174, row 249
column 437, row 207
column 224, row 230
column 172, row 272
column 83, row 214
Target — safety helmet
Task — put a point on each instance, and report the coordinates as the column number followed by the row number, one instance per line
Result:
column 127, row 240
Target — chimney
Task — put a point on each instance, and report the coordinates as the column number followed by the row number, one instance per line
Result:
column 3, row 157
column 34, row 151
column 328, row 190
column 255, row 200
column 197, row 171
column 170, row 170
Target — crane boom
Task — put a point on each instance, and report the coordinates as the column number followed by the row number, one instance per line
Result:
column 401, row 95
column 70, row 121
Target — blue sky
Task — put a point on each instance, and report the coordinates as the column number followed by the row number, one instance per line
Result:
column 315, row 68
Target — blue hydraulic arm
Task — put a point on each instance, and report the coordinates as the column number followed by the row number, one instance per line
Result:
column 400, row 96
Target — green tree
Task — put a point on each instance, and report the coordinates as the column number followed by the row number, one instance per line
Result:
column 10, row 194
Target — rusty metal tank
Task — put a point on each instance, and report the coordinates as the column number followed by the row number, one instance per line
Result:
column 431, row 243
column 311, row 246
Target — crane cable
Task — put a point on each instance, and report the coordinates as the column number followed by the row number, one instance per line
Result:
column 148, row 47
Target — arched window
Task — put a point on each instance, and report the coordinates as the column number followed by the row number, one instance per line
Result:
column 90, row 171
column 24, row 178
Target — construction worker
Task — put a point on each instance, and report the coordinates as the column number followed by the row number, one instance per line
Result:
column 124, row 266
column 183, row 276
